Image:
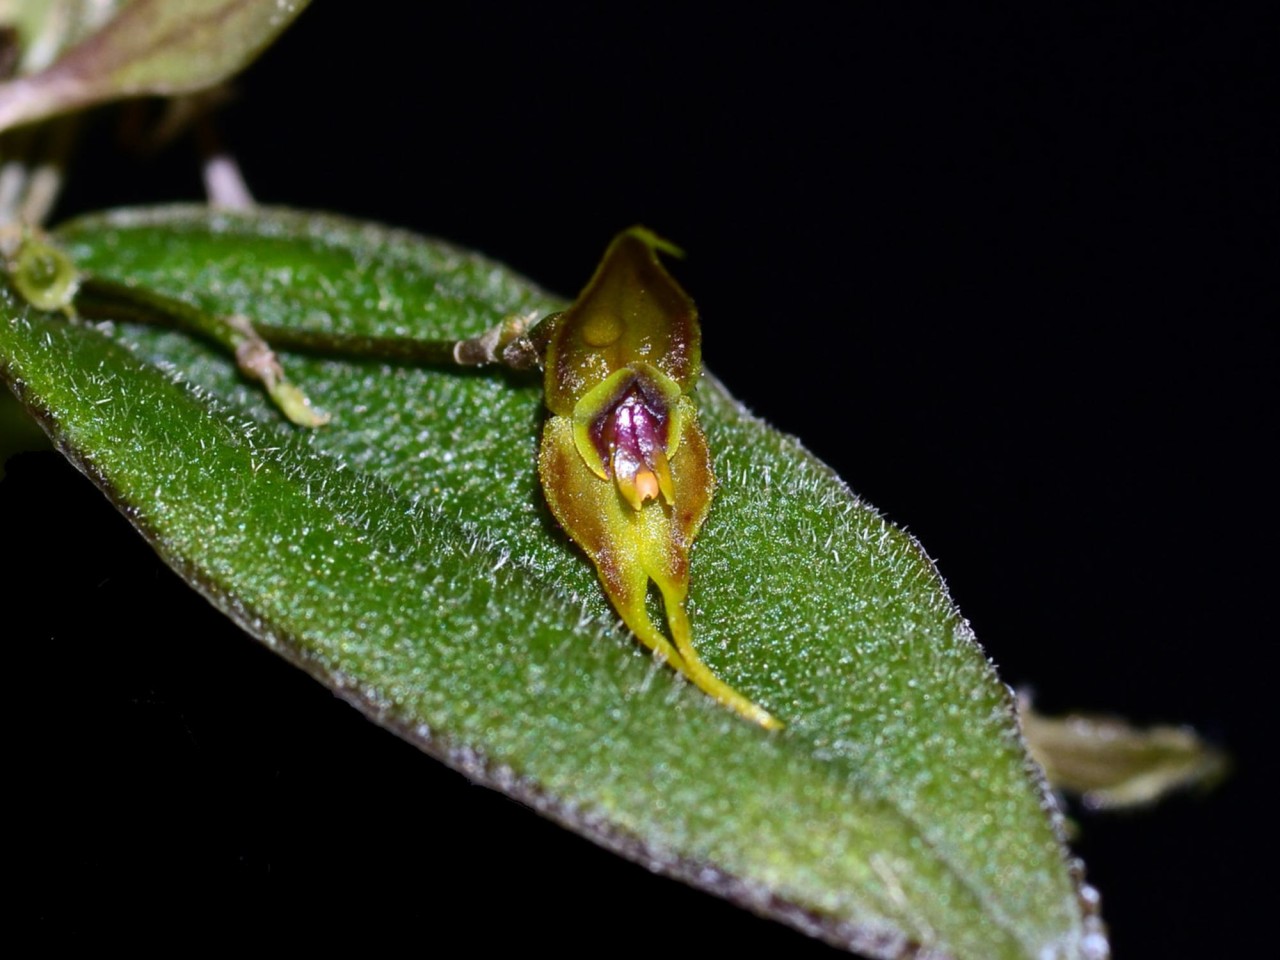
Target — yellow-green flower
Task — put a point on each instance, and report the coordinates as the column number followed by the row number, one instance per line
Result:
column 624, row 465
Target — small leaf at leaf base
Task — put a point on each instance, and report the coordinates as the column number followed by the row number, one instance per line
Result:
column 44, row 275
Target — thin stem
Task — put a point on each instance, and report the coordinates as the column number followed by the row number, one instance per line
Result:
column 235, row 333
column 224, row 184
column 15, row 171
column 33, row 170
column 517, row 342
column 394, row 349
column 49, row 172
column 507, row 343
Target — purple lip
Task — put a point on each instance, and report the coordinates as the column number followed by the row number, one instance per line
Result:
column 631, row 436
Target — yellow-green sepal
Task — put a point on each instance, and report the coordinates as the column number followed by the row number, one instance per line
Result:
column 630, row 311
column 631, row 547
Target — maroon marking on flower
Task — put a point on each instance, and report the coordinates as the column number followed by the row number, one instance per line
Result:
column 631, row 436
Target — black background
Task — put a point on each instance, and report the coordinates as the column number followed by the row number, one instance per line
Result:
column 1006, row 271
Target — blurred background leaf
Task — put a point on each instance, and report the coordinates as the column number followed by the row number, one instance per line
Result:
column 81, row 54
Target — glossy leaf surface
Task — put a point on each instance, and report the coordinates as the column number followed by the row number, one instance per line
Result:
column 404, row 556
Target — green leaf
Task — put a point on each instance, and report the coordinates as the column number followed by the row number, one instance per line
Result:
column 160, row 47
column 403, row 556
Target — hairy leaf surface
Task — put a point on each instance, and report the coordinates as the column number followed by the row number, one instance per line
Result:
column 403, row 555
